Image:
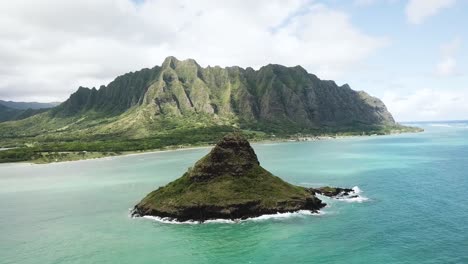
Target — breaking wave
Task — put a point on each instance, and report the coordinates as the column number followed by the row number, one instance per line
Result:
column 300, row 213
column 354, row 197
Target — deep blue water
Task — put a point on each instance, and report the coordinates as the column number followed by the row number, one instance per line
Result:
column 416, row 212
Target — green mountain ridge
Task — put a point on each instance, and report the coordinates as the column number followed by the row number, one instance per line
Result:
column 181, row 103
column 274, row 93
column 138, row 103
column 28, row 105
column 12, row 114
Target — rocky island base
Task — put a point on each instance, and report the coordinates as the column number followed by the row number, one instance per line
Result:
column 229, row 183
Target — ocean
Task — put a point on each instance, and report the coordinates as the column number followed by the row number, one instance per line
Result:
column 413, row 206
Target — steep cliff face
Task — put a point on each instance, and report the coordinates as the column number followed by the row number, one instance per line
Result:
column 272, row 94
column 121, row 94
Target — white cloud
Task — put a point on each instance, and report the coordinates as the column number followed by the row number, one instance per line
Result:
column 50, row 47
column 448, row 63
column 446, row 67
column 419, row 10
column 428, row 104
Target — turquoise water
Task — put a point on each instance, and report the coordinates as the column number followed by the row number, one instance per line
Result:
column 416, row 212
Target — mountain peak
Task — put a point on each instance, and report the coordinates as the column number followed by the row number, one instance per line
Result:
column 232, row 155
column 170, row 62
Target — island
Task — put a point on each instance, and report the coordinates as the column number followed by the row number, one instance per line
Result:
column 229, row 183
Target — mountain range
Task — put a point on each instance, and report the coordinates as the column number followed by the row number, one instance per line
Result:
column 28, row 105
column 10, row 110
column 182, row 94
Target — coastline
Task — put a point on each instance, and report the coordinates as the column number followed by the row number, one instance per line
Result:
column 264, row 217
column 296, row 139
column 104, row 157
column 355, row 197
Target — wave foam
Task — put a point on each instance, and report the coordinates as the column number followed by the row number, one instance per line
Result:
column 169, row 220
column 355, row 196
column 300, row 213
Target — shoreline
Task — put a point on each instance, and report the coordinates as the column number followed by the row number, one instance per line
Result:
column 299, row 139
column 264, row 217
column 124, row 154
column 354, row 197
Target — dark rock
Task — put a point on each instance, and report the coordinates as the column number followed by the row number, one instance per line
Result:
column 334, row 192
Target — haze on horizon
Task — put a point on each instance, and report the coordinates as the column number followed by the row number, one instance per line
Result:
column 409, row 53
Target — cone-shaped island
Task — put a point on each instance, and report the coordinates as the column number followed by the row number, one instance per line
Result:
column 228, row 183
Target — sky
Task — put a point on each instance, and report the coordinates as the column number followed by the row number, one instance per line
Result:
column 412, row 54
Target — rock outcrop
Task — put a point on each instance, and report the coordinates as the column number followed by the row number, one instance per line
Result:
column 331, row 191
column 228, row 183
column 334, row 192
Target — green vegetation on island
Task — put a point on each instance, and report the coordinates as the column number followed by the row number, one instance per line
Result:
column 227, row 183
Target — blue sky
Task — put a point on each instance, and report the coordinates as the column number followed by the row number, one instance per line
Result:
column 410, row 53
column 409, row 66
